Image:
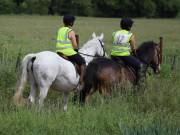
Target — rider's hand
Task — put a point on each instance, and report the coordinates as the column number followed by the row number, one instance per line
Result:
column 76, row 50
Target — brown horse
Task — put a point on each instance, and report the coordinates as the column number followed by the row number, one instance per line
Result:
column 103, row 74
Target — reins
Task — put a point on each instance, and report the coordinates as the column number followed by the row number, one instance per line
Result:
column 88, row 55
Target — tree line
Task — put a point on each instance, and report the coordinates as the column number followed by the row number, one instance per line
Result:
column 99, row 8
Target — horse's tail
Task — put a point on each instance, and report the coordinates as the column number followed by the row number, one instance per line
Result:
column 18, row 98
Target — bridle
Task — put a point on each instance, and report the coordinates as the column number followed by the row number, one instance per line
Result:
column 104, row 51
column 95, row 56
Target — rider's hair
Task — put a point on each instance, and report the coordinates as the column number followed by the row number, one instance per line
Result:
column 68, row 20
column 126, row 23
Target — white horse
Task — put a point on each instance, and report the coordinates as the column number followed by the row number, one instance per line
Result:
column 45, row 70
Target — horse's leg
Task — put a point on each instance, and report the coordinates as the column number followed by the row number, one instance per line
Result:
column 87, row 98
column 75, row 97
column 88, row 95
column 43, row 94
column 105, row 91
column 32, row 95
column 85, row 93
column 65, row 101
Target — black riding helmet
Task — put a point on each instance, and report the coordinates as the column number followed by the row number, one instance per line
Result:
column 126, row 23
column 68, row 19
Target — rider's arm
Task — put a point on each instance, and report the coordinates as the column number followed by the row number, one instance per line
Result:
column 72, row 37
column 133, row 43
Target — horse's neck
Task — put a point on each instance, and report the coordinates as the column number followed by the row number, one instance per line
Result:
column 144, row 56
column 87, row 53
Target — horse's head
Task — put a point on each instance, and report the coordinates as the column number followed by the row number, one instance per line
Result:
column 99, row 44
column 93, row 48
column 151, row 54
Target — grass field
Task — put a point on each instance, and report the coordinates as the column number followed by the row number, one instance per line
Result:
column 155, row 112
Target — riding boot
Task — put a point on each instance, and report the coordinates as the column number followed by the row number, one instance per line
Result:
column 82, row 73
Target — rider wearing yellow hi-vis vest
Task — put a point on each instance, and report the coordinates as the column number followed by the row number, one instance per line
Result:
column 123, row 45
column 67, row 44
column 64, row 44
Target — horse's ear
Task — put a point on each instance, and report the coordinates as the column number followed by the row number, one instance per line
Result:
column 101, row 36
column 93, row 35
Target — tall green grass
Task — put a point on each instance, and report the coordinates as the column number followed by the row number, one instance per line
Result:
column 156, row 111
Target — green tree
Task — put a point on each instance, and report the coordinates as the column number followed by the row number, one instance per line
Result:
column 7, row 6
column 18, row 2
column 105, row 8
column 35, row 6
column 82, row 7
column 167, row 8
column 144, row 8
column 149, row 8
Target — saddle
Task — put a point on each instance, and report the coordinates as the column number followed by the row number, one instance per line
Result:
column 77, row 67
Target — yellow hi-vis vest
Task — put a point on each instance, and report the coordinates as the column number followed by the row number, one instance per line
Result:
column 63, row 44
column 121, row 43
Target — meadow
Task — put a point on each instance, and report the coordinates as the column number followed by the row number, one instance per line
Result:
column 154, row 112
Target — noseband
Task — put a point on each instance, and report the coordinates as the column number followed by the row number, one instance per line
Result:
column 104, row 51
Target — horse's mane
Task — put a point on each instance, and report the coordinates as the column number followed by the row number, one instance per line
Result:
column 145, row 51
column 145, row 46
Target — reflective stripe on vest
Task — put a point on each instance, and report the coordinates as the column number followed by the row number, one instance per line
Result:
column 121, row 45
column 63, row 44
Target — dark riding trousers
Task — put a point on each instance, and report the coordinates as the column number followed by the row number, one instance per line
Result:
column 77, row 59
column 129, row 61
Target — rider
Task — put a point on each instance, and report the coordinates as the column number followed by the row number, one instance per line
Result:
column 67, row 45
column 123, row 45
